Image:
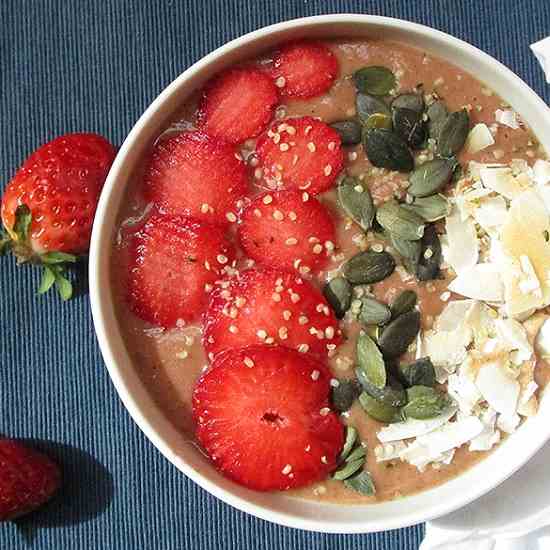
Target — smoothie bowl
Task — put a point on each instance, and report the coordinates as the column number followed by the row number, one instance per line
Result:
column 319, row 273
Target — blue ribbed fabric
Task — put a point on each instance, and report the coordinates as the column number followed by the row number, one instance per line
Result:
column 95, row 65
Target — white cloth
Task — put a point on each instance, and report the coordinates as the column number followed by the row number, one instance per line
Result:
column 541, row 49
column 514, row 516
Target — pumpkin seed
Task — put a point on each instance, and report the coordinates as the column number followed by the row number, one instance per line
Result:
column 399, row 334
column 386, row 149
column 418, row 373
column 370, row 361
column 429, row 262
column 374, row 80
column 378, row 410
column 453, row 134
column 348, row 469
column 392, row 394
column 343, row 395
column 437, row 115
column 373, row 312
column 338, row 294
column 355, row 199
column 430, row 177
column 410, row 126
column 362, row 483
column 403, row 303
column 368, row 267
column 398, row 221
column 373, row 331
column 349, row 442
column 378, row 120
column 412, row 101
column 359, row 452
column 409, row 250
column 349, row 131
column 425, row 403
column 430, row 208
column 368, row 105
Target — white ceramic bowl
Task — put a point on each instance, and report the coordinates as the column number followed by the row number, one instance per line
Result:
column 279, row 508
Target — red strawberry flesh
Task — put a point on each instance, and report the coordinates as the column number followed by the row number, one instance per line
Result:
column 263, row 417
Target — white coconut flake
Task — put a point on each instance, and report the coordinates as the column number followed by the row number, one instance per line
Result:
column 389, row 451
column 464, row 392
column 507, row 118
column 542, row 341
column 490, row 436
column 490, row 212
column 414, row 428
column 447, row 348
column 453, row 315
column 508, row 424
column 462, row 252
column 479, row 138
column 514, row 337
column 501, row 180
column 541, row 172
column 480, row 282
column 498, row 388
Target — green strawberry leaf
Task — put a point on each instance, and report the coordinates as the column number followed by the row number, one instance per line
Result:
column 57, row 258
column 5, row 242
column 63, row 285
column 23, row 218
column 48, row 279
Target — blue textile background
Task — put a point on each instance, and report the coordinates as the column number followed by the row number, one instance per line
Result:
column 95, row 65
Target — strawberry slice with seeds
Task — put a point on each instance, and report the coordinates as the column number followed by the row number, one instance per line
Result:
column 302, row 154
column 238, row 104
column 263, row 417
column 268, row 306
column 28, row 479
column 174, row 263
column 283, row 230
column 304, row 69
column 193, row 174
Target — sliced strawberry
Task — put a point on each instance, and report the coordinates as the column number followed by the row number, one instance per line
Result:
column 193, row 174
column 283, row 230
column 28, row 479
column 269, row 306
column 238, row 104
column 263, row 417
column 174, row 263
column 304, row 69
column 302, row 154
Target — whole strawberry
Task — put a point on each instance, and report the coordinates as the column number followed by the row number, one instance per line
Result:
column 48, row 207
column 27, row 479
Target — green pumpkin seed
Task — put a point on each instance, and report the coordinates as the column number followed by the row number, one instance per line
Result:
column 355, row 199
column 361, row 483
column 425, row 403
column 409, row 125
column 368, row 105
column 437, row 115
column 374, row 80
column 398, row 221
column 393, row 394
column 412, row 101
column 453, row 134
column 373, row 312
column 343, row 395
column 368, row 267
column 429, row 262
column 349, row 131
column 370, row 361
column 349, row 442
column 348, row 469
column 399, row 334
column 430, row 177
column 418, row 373
column 378, row 410
column 359, row 452
column 378, row 120
column 409, row 250
column 403, row 303
column 338, row 294
column 431, row 208
column 386, row 149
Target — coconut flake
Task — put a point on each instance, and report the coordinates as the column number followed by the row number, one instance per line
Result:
column 507, row 118
column 453, row 315
column 541, row 172
column 389, row 451
column 480, row 282
column 479, row 138
column 514, row 337
column 508, row 424
column 542, row 341
column 491, row 212
column 413, row 427
column 498, row 388
column 464, row 392
column 447, row 348
column 462, row 252
column 502, row 180
column 489, row 436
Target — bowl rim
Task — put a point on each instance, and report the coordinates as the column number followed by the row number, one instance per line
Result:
column 102, row 234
